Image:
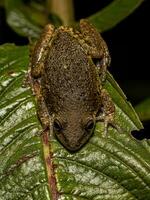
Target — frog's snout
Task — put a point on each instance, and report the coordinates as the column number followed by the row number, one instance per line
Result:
column 73, row 146
column 71, row 143
column 74, row 132
column 75, row 141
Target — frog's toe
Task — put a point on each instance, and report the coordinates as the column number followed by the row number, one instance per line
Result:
column 109, row 121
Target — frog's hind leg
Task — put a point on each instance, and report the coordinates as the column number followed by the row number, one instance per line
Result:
column 37, row 54
column 96, row 47
column 40, row 51
column 108, row 112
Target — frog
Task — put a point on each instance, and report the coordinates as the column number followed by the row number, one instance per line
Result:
column 67, row 71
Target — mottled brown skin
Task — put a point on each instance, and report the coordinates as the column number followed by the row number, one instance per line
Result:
column 68, row 68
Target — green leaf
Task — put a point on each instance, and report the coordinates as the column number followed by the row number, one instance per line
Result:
column 116, row 167
column 24, row 19
column 28, row 19
column 143, row 109
column 114, row 13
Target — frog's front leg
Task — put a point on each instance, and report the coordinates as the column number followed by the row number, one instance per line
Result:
column 108, row 112
column 40, row 51
column 42, row 112
column 96, row 47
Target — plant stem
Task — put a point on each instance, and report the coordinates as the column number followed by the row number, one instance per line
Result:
column 49, row 166
column 1, row 2
column 63, row 9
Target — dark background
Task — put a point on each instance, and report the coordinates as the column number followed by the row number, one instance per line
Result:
column 129, row 47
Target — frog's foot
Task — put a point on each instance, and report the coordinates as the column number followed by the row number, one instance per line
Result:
column 96, row 47
column 108, row 120
column 108, row 113
column 41, row 132
column 42, row 112
column 26, row 81
column 44, row 118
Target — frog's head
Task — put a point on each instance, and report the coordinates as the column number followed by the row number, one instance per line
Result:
column 73, row 130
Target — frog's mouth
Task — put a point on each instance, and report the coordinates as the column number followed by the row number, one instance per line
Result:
column 73, row 146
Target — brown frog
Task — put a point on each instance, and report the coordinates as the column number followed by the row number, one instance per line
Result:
column 67, row 71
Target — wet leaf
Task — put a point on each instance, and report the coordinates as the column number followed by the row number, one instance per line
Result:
column 113, row 167
column 25, row 19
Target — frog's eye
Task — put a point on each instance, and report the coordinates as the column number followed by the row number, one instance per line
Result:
column 90, row 125
column 57, row 126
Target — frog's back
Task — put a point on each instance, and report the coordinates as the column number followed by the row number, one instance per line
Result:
column 70, row 77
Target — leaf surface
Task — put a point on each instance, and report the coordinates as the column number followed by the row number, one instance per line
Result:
column 27, row 19
column 24, row 19
column 116, row 167
column 143, row 109
column 114, row 13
